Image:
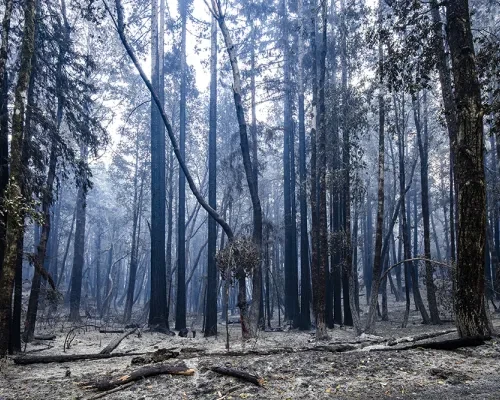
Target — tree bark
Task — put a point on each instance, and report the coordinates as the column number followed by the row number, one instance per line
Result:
column 14, row 192
column 180, row 305
column 305, row 278
column 4, row 122
column 158, row 313
column 470, row 310
column 377, row 260
column 210, row 327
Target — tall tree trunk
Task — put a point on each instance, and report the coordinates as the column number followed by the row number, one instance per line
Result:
column 158, row 312
column 377, row 259
column 348, row 284
column 98, row 275
column 170, row 219
column 423, row 148
column 470, row 310
column 305, row 278
column 14, row 192
column 47, row 199
column 180, row 306
column 133, row 251
column 249, row 323
column 210, row 327
column 79, row 246
column 4, row 122
column 291, row 294
column 316, row 292
column 322, row 266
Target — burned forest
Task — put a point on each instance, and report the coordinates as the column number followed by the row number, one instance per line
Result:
column 269, row 199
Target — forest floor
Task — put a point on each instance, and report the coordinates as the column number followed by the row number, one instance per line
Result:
column 305, row 372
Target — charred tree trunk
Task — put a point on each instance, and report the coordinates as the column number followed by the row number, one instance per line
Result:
column 210, row 327
column 291, row 294
column 305, row 278
column 158, row 312
column 133, row 251
column 14, row 192
column 377, row 260
column 321, row 331
column 470, row 310
column 79, row 247
column 4, row 122
column 180, row 305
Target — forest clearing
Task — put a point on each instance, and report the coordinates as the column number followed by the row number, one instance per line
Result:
column 292, row 364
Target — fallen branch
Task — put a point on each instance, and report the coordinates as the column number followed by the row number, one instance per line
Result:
column 116, row 389
column 111, row 331
column 45, row 337
column 144, row 372
column 340, row 348
column 25, row 360
column 116, row 342
column 411, row 260
column 419, row 337
column 256, row 380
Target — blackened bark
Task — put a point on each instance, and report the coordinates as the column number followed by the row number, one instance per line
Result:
column 14, row 192
column 158, row 314
column 348, row 284
column 4, row 123
column 210, row 327
column 470, row 310
column 291, row 288
column 377, row 260
column 134, row 247
column 79, row 246
column 305, row 278
column 47, row 199
column 180, row 305
column 321, row 331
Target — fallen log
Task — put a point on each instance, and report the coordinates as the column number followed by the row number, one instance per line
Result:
column 141, row 373
column 111, row 331
column 159, row 355
column 25, row 360
column 422, row 336
column 45, row 337
column 340, row 348
column 451, row 344
column 116, row 342
column 256, row 380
